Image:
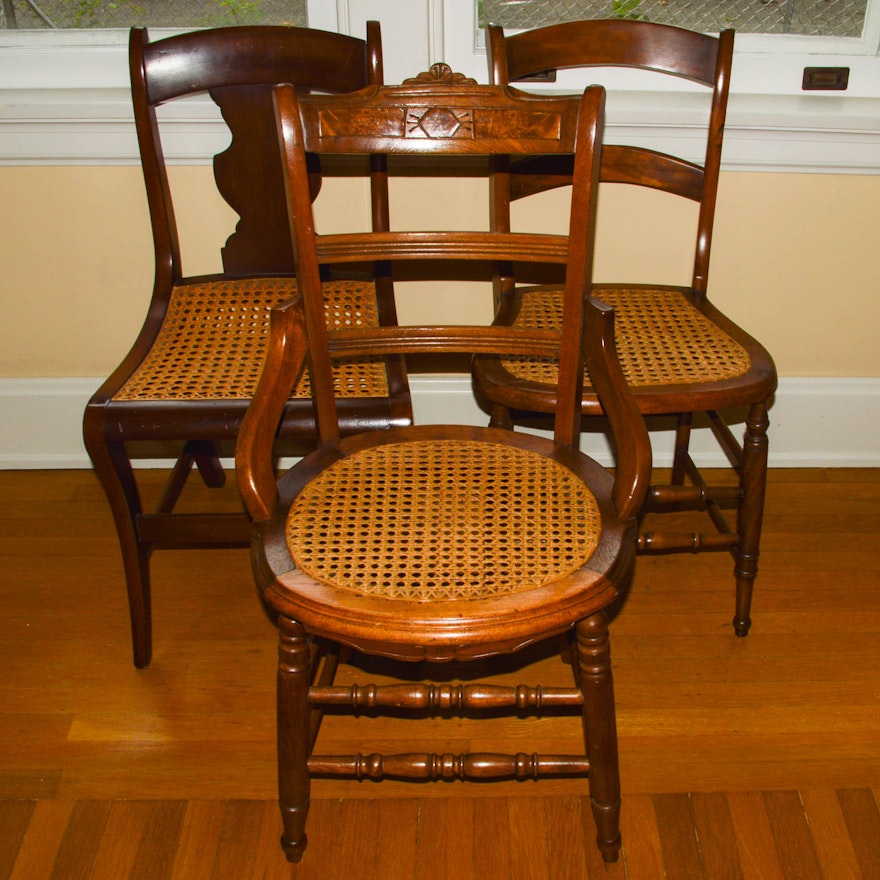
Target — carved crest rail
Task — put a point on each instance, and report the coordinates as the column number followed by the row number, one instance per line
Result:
column 436, row 106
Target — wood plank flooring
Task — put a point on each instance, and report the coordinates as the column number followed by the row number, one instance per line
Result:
column 816, row 833
column 753, row 758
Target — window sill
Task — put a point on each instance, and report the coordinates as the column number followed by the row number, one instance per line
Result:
column 808, row 134
column 67, row 102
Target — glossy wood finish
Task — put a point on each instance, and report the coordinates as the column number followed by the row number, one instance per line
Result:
column 665, row 51
column 107, row 771
column 238, row 67
column 434, row 116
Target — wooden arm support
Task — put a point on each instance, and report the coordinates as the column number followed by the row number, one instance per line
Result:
column 285, row 358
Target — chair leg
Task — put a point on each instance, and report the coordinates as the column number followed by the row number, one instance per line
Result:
column 600, row 730
column 114, row 472
column 294, row 735
column 203, row 455
column 750, row 516
column 499, row 417
column 682, row 447
column 208, row 463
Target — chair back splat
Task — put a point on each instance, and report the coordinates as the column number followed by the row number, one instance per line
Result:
column 185, row 384
column 442, row 543
column 680, row 354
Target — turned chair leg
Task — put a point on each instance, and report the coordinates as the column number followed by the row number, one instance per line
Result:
column 294, row 739
column 600, row 730
column 750, row 516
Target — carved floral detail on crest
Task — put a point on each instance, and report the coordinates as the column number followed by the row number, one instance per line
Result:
column 440, row 72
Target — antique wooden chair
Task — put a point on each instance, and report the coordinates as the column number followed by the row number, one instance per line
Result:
column 680, row 354
column 194, row 365
column 442, row 543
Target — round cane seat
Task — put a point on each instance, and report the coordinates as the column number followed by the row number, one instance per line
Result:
column 661, row 338
column 442, row 519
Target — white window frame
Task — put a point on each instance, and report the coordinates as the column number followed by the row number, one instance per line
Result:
column 765, row 63
column 64, row 96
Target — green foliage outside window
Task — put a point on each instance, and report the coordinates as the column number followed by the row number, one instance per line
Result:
column 33, row 14
column 628, row 9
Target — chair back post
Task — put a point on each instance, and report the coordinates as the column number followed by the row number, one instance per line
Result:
column 303, row 239
column 375, row 72
column 503, row 280
column 712, row 163
column 497, row 55
column 166, row 242
column 579, row 266
column 379, row 200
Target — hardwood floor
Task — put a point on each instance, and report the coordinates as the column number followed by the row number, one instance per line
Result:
column 752, row 758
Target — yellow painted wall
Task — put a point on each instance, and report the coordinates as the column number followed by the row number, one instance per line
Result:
column 796, row 258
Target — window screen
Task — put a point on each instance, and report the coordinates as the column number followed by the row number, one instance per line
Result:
column 828, row 18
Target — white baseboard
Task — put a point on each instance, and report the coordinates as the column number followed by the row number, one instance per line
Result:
column 814, row 422
column 41, row 423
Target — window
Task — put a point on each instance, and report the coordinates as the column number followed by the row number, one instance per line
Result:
column 776, row 39
column 64, row 94
column 773, row 124
column 819, row 18
column 61, row 14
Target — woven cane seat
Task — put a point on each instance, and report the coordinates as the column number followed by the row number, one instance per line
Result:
column 661, row 338
column 213, row 341
column 442, row 519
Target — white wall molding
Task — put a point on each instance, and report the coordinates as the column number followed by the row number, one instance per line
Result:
column 810, row 135
column 79, row 126
column 41, row 422
column 64, row 97
column 815, row 422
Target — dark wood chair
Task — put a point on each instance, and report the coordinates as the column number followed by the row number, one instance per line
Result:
column 442, row 543
column 680, row 354
column 190, row 373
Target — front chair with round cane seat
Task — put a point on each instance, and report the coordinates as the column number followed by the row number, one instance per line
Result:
column 437, row 542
